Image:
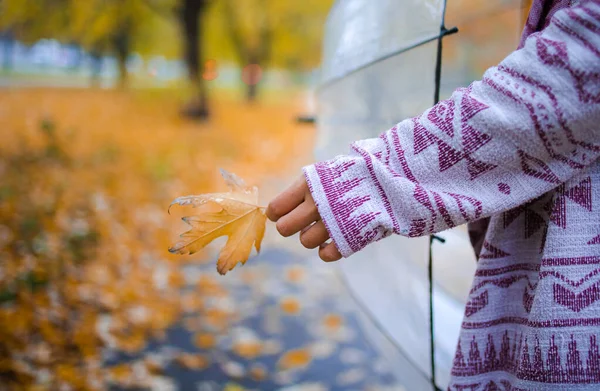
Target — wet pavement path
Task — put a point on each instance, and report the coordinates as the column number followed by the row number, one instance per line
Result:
column 279, row 322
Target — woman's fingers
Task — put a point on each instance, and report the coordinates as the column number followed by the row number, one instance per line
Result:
column 287, row 200
column 294, row 210
column 302, row 216
column 314, row 236
column 329, row 253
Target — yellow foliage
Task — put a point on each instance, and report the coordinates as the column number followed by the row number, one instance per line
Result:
column 292, row 30
column 94, row 24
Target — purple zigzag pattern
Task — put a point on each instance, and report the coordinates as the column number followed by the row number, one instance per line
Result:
column 540, row 130
column 466, row 387
column 473, row 201
column 342, row 207
column 534, row 220
column 472, row 139
column 504, row 282
column 574, row 284
column 584, row 41
column 442, row 116
column 401, row 156
column 419, row 226
column 571, row 261
column 442, row 208
column 530, row 107
column 527, row 360
column 544, row 324
column 422, row 196
column 595, row 240
column 582, row 77
column 527, row 300
column 536, row 168
column 380, row 191
column 576, row 301
column 476, row 304
column 581, row 194
column 507, row 269
column 492, row 252
column 491, row 386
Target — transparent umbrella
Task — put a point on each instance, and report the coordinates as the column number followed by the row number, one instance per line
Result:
column 381, row 64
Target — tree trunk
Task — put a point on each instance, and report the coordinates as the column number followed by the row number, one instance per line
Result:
column 122, row 46
column 191, row 13
column 96, row 66
column 252, row 92
column 8, row 45
column 76, row 62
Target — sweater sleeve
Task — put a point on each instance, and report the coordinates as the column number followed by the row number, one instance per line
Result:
column 532, row 123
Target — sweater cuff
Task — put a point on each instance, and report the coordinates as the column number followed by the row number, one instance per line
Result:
column 318, row 187
column 340, row 191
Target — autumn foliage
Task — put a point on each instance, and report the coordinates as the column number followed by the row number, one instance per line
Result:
column 86, row 180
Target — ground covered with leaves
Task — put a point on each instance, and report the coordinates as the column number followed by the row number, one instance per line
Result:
column 90, row 298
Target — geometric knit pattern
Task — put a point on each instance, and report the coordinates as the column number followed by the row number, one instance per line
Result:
column 521, row 146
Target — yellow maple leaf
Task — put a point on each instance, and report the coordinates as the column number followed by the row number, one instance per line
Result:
column 235, row 214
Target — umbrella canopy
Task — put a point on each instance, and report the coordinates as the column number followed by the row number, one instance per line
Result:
column 379, row 67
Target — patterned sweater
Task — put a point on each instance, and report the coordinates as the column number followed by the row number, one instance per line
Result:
column 522, row 147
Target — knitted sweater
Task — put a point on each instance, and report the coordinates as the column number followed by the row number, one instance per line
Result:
column 521, row 146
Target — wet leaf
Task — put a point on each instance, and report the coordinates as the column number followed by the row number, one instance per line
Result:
column 192, row 361
column 234, row 214
column 204, row 340
column 290, row 305
column 258, row 372
column 297, row 358
column 333, row 322
column 248, row 349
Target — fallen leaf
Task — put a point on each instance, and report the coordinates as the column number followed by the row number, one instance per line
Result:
column 290, row 305
column 332, row 322
column 234, row 214
column 296, row 358
column 121, row 373
column 233, row 387
column 248, row 349
column 192, row 361
column 295, row 274
column 204, row 341
column 258, row 372
column 153, row 366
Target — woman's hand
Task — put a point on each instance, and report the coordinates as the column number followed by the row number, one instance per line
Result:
column 294, row 210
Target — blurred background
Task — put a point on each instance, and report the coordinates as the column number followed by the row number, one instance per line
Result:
column 109, row 109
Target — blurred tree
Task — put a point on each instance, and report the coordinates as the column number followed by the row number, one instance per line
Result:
column 8, row 44
column 100, row 26
column 269, row 33
column 115, row 26
column 191, row 16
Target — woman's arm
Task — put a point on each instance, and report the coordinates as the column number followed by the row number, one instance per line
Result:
column 531, row 124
